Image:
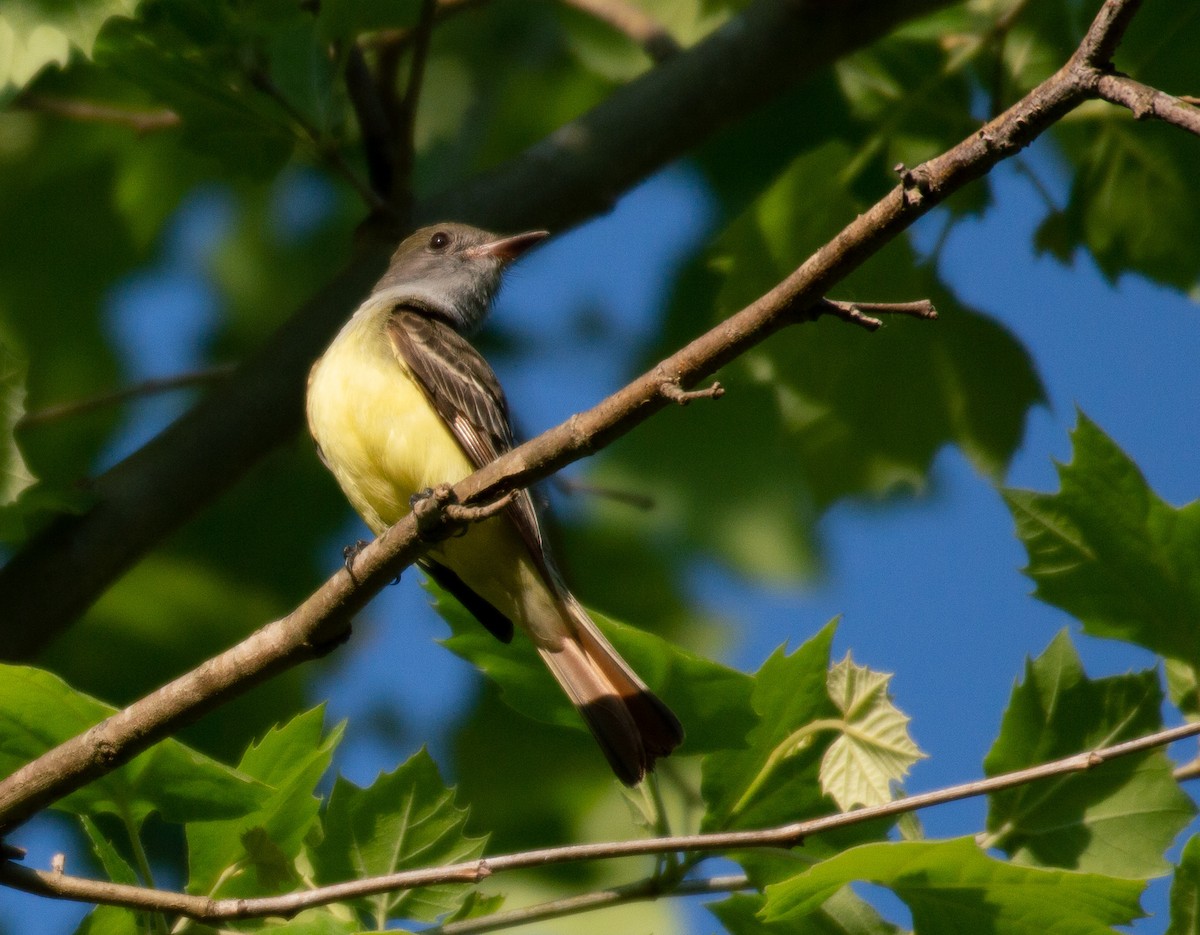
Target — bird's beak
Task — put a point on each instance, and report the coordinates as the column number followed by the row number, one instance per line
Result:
column 509, row 248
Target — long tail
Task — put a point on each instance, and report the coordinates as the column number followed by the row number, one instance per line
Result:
column 633, row 727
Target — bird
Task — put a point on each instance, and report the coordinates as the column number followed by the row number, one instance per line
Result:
column 401, row 402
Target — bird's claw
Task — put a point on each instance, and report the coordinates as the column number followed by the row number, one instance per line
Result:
column 351, row 552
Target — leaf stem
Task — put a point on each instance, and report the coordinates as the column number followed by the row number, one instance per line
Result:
column 790, row 745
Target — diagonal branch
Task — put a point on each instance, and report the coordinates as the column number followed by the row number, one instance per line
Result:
column 571, row 175
column 324, row 617
column 203, row 908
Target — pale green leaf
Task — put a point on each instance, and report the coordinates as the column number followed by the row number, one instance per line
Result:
column 15, row 476
column 874, row 749
column 37, row 33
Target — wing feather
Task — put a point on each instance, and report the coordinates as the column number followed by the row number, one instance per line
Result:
column 464, row 391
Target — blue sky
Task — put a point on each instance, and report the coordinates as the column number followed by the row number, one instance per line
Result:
column 928, row 588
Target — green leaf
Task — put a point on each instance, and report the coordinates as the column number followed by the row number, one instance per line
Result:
column 844, row 913
column 37, row 33
column 322, row 921
column 406, row 820
column 772, row 781
column 1185, row 891
column 1109, row 551
column 873, row 749
column 115, row 866
column 14, row 474
column 1116, row 819
column 38, row 711
column 203, row 74
column 953, row 887
column 1125, row 172
column 254, row 854
column 109, row 920
column 712, row 700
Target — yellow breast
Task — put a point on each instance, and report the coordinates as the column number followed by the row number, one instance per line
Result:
column 378, row 433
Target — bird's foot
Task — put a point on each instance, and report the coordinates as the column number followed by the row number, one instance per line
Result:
column 350, row 553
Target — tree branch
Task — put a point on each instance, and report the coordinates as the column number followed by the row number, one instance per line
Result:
column 140, row 121
column 145, row 388
column 1145, row 101
column 569, row 176
column 324, row 616
column 203, row 908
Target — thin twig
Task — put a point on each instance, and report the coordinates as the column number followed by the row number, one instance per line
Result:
column 141, row 121
column 396, row 40
column 674, row 392
column 146, row 388
column 632, row 21
column 1188, row 771
column 857, row 312
column 647, row 889
column 1145, row 101
column 790, row 835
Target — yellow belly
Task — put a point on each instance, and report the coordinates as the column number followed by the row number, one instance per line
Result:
column 384, row 442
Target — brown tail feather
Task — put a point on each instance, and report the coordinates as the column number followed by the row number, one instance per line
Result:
column 633, row 727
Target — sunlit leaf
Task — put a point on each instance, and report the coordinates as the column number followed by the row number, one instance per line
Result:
column 873, row 749
column 37, row 33
column 1185, row 891
column 1108, row 550
column 953, row 887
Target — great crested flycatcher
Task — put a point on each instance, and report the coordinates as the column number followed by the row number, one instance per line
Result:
column 401, row 402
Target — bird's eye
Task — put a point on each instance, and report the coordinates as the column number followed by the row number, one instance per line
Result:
column 439, row 241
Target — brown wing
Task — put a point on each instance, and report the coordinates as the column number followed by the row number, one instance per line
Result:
column 464, row 391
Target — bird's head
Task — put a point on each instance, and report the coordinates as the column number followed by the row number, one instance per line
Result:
column 451, row 271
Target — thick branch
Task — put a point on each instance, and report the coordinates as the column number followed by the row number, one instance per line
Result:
column 326, row 613
column 575, row 173
column 790, row 835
